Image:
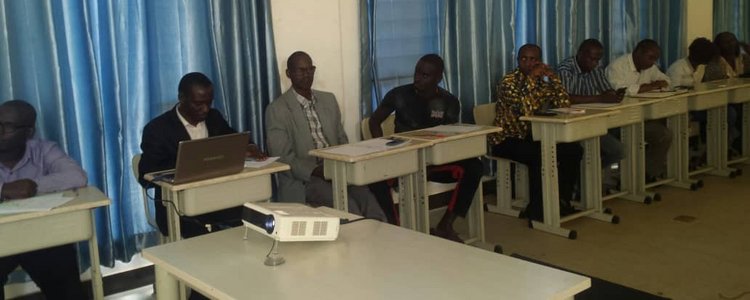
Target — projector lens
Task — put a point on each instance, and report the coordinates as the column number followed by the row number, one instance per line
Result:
column 259, row 219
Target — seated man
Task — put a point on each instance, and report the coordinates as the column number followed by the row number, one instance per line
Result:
column 530, row 88
column 730, row 63
column 585, row 81
column 637, row 73
column 303, row 119
column 690, row 70
column 32, row 166
column 424, row 104
column 192, row 118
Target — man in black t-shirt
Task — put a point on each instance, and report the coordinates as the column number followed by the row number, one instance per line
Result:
column 424, row 104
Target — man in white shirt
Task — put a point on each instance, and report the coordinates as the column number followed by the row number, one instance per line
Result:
column 689, row 70
column 637, row 73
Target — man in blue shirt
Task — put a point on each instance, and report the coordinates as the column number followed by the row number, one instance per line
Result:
column 586, row 82
column 29, row 167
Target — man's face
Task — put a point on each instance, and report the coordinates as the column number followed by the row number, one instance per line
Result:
column 528, row 58
column 645, row 58
column 13, row 131
column 426, row 76
column 588, row 59
column 302, row 73
column 196, row 104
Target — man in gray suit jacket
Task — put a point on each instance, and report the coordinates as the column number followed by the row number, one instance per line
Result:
column 303, row 119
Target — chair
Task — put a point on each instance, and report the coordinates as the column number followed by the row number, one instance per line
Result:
column 144, row 195
column 506, row 203
column 475, row 215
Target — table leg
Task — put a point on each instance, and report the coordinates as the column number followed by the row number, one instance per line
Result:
column 679, row 158
column 173, row 219
column 96, row 274
column 550, row 193
column 407, row 198
column 745, row 136
column 340, row 197
column 422, row 209
column 717, row 142
column 633, row 167
column 166, row 285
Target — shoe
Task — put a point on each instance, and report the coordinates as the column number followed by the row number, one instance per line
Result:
column 566, row 209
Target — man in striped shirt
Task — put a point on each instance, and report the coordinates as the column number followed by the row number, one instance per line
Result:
column 586, row 82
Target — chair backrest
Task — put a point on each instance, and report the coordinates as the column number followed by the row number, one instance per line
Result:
column 484, row 114
column 147, row 208
column 388, row 126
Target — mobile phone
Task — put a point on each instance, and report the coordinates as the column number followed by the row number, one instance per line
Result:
column 395, row 142
column 545, row 113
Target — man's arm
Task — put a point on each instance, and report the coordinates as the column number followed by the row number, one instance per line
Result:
column 279, row 136
column 617, row 74
column 155, row 152
column 380, row 114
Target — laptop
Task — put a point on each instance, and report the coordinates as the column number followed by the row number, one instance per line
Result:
column 208, row 158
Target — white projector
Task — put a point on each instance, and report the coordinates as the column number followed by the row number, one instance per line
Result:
column 290, row 222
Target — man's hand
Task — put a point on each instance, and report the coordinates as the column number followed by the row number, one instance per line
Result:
column 254, row 152
column 654, row 85
column 610, row 96
column 23, row 188
column 541, row 70
column 660, row 84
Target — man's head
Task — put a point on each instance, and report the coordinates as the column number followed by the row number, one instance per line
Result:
column 590, row 52
column 646, row 54
column 701, row 51
column 428, row 73
column 196, row 94
column 17, row 119
column 300, row 69
column 529, row 56
column 727, row 44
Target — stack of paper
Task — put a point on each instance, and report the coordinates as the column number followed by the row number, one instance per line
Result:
column 38, row 203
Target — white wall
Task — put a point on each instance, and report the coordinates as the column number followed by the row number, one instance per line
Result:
column 699, row 20
column 328, row 30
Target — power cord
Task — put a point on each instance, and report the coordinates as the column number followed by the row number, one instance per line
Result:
column 172, row 204
column 344, row 221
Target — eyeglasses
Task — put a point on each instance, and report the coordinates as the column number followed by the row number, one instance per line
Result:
column 304, row 71
column 11, row 127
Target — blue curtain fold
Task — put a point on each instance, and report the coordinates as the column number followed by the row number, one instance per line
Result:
column 732, row 16
column 97, row 71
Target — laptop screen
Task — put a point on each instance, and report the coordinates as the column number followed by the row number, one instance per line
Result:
column 210, row 157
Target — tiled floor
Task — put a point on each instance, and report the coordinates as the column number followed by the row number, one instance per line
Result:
column 690, row 245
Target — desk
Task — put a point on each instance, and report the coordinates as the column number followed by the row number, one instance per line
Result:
column 741, row 95
column 373, row 167
column 369, row 260
column 200, row 197
column 445, row 148
column 68, row 223
column 566, row 128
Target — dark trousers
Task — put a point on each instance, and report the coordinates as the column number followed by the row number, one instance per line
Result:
column 467, row 173
column 54, row 270
column 528, row 152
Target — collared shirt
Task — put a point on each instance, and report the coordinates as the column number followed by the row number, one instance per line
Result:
column 576, row 82
column 622, row 73
column 47, row 165
column 681, row 73
column 199, row 131
column 518, row 95
column 313, row 121
column 413, row 112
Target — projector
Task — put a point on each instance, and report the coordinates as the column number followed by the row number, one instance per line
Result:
column 290, row 222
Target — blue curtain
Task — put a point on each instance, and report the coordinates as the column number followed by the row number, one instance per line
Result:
column 732, row 16
column 97, row 71
column 481, row 37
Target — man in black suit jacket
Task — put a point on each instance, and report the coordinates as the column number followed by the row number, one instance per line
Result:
column 191, row 118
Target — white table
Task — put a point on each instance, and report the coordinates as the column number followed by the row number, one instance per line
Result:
column 361, row 169
column 446, row 147
column 71, row 222
column 566, row 128
column 369, row 260
column 200, row 197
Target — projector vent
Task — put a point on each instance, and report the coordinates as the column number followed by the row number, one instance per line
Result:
column 299, row 228
column 320, row 228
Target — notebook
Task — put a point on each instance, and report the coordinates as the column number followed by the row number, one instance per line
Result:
column 208, row 158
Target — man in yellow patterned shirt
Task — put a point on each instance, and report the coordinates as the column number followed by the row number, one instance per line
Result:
column 532, row 89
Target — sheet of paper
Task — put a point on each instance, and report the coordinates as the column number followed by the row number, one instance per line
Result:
column 38, row 203
column 251, row 163
column 657, row 94
column 568, row 110
column 365, row 147
column 595, row 105
column 458, row 128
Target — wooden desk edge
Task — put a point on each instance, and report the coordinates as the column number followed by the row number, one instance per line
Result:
column 274, row 167
column 413, row 145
